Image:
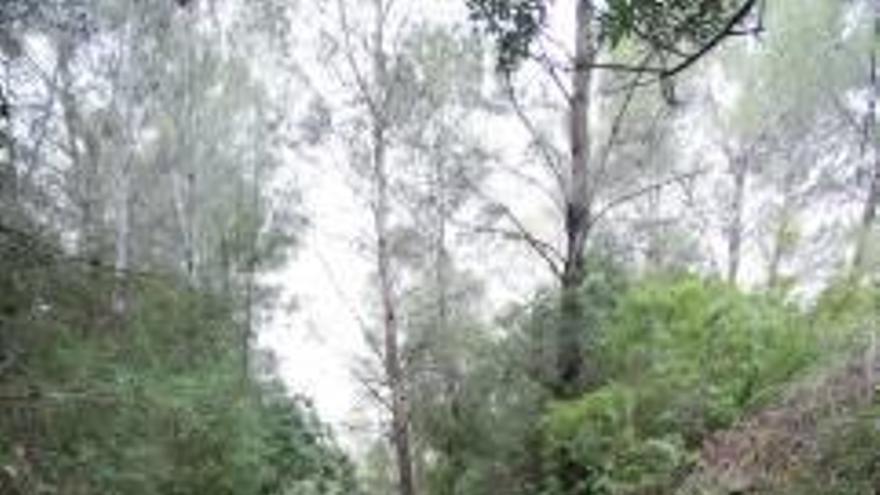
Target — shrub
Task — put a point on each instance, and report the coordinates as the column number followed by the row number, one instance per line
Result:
column 683, row 356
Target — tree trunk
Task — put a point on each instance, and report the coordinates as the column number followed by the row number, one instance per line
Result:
column 250, row 277
column 184, row 179
column 83, row 151
column 869, row 209
column 441, row 256
column 400, row 427
column 184, row 206
column 739, row 170
column 571, row 379
column 123, row 241
column 8, row 174
column 452, row 373
column 125, row 132
column 569, row 353
column 393, row 368
column 782, row 237
column 654, row 254
column 777, row 255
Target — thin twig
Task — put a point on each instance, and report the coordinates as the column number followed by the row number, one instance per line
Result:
column 630, row 196
column 541, row 248
column 541, row 143
column 617, row 124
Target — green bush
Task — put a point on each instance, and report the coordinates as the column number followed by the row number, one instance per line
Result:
column 683, row 356
column 844, row 312
column 151, row 403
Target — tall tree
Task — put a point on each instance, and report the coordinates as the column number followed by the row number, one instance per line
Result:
column 518, row 27
column 376, row 90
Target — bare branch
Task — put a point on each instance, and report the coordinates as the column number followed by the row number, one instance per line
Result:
column 546, row 191
column 617, row 124
column 552, row 70
column 543, row 147
column 542, row 248
column 632, row 195
column 514, row 235
column 360, row 80
column 373, row 391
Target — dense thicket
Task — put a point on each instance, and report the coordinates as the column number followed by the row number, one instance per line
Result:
column 152, row 402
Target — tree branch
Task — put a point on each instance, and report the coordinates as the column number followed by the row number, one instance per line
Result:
column 543, row 147
column 360, row 80
column 630, row 196
column 617, row 124
column 689, row 59
column 729, row 29
column 543, row 249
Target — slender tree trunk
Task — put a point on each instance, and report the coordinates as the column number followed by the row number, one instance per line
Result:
column 869, row 209
column 8, row 174
column 654, row 256
column 739, row 170
column 184, row 209
column 400, row 424
column 83, row 152
column 571, row 379
column 250, row 277
column 247, row 329
column 569, row 348
column 123, row 238
column 125, row 159
column 452, row 374
column 393, row 368
column 184, row 180
column 776, row 256
column 441, row 262
column 577, row 214
column 782, row 241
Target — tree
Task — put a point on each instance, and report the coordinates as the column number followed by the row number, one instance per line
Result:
column 376, row 91
column 659, row 30
column 517, row 27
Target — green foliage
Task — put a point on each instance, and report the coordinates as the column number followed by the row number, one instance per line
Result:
column 666, row 24
column 663, row 26
column 683, row 357
column 706, row 336
column 610, row 448
column 514, row 24
column 481, row 421
column 844, row 306
column 152, row 402
column 298, row 451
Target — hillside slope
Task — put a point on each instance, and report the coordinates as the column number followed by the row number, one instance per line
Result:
column 811, row 438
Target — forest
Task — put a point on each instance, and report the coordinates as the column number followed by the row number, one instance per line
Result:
column 439, row 247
